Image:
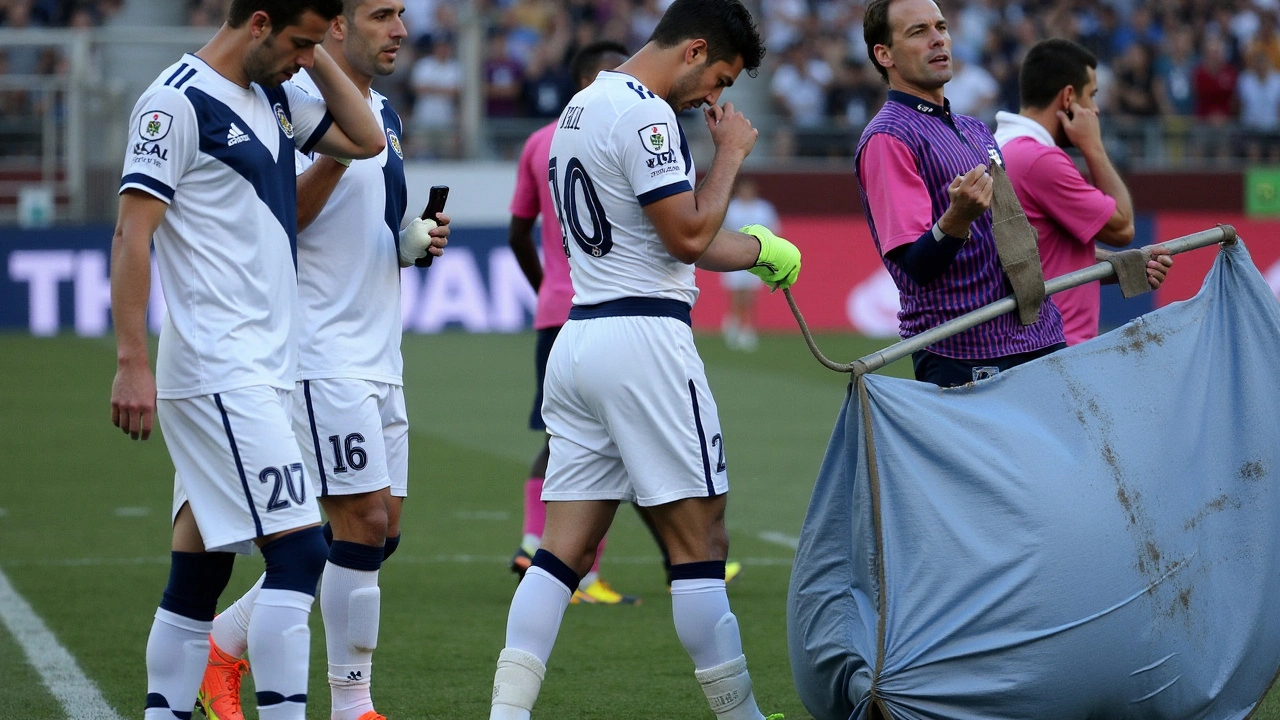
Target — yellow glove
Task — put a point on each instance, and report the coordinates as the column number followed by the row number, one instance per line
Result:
column 779, row 261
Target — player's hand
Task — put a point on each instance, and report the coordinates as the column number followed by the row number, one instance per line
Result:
column 779, row 261
column 133, row 400
column 970, row 197
column 416, row 240
column 1082, row 127
column 1158, row 267
column 731, row 131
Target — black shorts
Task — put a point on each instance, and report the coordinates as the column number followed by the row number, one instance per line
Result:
column 953, row 372
column 546, row 338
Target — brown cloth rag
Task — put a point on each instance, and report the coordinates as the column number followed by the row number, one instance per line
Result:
column 1016, row 245
column 1131, row 271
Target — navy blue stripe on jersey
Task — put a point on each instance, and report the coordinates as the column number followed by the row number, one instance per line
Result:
column 235, row 452
column 190, row 74
column 315, row 439
column 273, row 179
column 176, row 73
column 644, row 92
column 634, row 307
column 321, row 129
column 702, row 440
column 684, row 150
column 148, row 182
column 665, row 191
column 393, row 173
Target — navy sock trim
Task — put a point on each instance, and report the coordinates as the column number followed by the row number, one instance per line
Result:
column 156, row 700
column 327, row 530
column 268, row 698
column 390, row 547
column 295, row 561
column 558, row 570
column 705, row 570
column 355, row 556
column 195, row 582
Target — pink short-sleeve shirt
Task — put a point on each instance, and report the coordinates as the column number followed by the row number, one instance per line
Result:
column 532, row 199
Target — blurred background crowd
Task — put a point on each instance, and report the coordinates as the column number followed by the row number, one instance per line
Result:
column 1181, row 81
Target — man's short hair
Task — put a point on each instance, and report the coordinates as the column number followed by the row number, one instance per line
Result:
column 726, row 25
column 876, row 31
column 587, row 60
column 1051, row 65
column 283, row 13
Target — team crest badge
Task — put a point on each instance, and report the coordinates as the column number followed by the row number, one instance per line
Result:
column 154, row 125
column 283, row 117
column 656, row 138
column 393, row 141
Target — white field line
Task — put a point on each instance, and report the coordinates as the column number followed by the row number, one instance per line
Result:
column 778, row 538
column 400, row 557
column 58, row 670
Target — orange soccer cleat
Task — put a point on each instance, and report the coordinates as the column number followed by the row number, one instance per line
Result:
column 219, row 695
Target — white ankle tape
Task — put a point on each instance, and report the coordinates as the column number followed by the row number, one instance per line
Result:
column 726, row 686
column 518, row 679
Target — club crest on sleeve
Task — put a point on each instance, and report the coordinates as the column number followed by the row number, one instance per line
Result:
column 283, row 117
column 154, row 125
column 393, row 142
column 656, row 138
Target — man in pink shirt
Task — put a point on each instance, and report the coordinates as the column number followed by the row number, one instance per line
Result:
column 1058, row 83
column 550, row 277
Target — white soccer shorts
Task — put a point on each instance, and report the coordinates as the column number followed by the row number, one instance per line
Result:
column 630, row 414
column 354, row 435
column 238, row 465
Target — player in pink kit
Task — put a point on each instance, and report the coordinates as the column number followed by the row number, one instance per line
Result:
column 550, row 278
column 1058, row 83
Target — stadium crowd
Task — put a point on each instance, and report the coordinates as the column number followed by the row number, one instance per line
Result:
column 1179, row 79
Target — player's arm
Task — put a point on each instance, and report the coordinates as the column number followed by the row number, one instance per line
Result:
column 133, row 392
column 315, row 186
column 355, row 132
column 688, row 222
column 520, row 238
column 1085, row 132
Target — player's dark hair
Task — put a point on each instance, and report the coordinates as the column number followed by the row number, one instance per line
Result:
column 876, row 31
column 283, row 13
column 1051, row 65
column 726, row 25
column 587, row 60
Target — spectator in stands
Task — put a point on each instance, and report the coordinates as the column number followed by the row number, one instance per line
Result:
column 855, row 95
column 1258, row 90
column 503, row 76
column 1133, row 94
column 1215, row 84
column 437, row 80
column 799, row 86
column 547, row 86
column 972, row 90
column 1175, row 74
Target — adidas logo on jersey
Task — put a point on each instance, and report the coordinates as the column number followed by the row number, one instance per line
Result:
column 236, row 136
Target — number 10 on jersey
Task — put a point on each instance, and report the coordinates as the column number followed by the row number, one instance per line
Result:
column 579, row 188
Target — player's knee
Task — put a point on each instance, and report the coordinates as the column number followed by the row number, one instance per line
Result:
column 556, row 568
column 195, row 582
column 295, row 561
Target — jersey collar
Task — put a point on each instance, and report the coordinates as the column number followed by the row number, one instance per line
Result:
column 920, row 105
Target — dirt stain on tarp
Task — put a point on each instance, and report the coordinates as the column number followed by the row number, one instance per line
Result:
column 1253, row 470
column 1216, row 505
column 1137, row 336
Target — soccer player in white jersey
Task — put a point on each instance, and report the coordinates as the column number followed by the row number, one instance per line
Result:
column 209, row 173
column 627, row 404
column 348, row 407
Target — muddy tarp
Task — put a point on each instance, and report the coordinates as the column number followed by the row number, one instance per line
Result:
column 1092, row 535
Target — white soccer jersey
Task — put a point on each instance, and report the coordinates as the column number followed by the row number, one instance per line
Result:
column 618, row 147
column 222, row 157
column 349, row 267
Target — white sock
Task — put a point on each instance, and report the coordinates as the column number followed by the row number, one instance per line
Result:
column 280, row 652
column 231, row 626
column 588, row 579
column 349, row 604
column 709, row 633
column 536, row 611
column 177, row 652
column 530, row 543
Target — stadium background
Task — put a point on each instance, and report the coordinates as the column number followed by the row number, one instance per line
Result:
column 1191, row 97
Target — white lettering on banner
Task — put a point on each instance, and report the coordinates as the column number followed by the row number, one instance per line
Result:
column 93, row 293
column 512, row 296
column 42, row 270
column 873, row 305
column 1273, row 279
column 454, row 293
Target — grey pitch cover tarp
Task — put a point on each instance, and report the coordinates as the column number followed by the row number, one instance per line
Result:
column 1092, row 535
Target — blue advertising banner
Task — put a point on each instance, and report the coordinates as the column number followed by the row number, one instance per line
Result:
column 57, row 280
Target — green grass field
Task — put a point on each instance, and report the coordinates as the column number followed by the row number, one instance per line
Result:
column 84, row 527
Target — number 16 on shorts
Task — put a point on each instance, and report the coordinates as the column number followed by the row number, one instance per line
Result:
column 354, row 435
